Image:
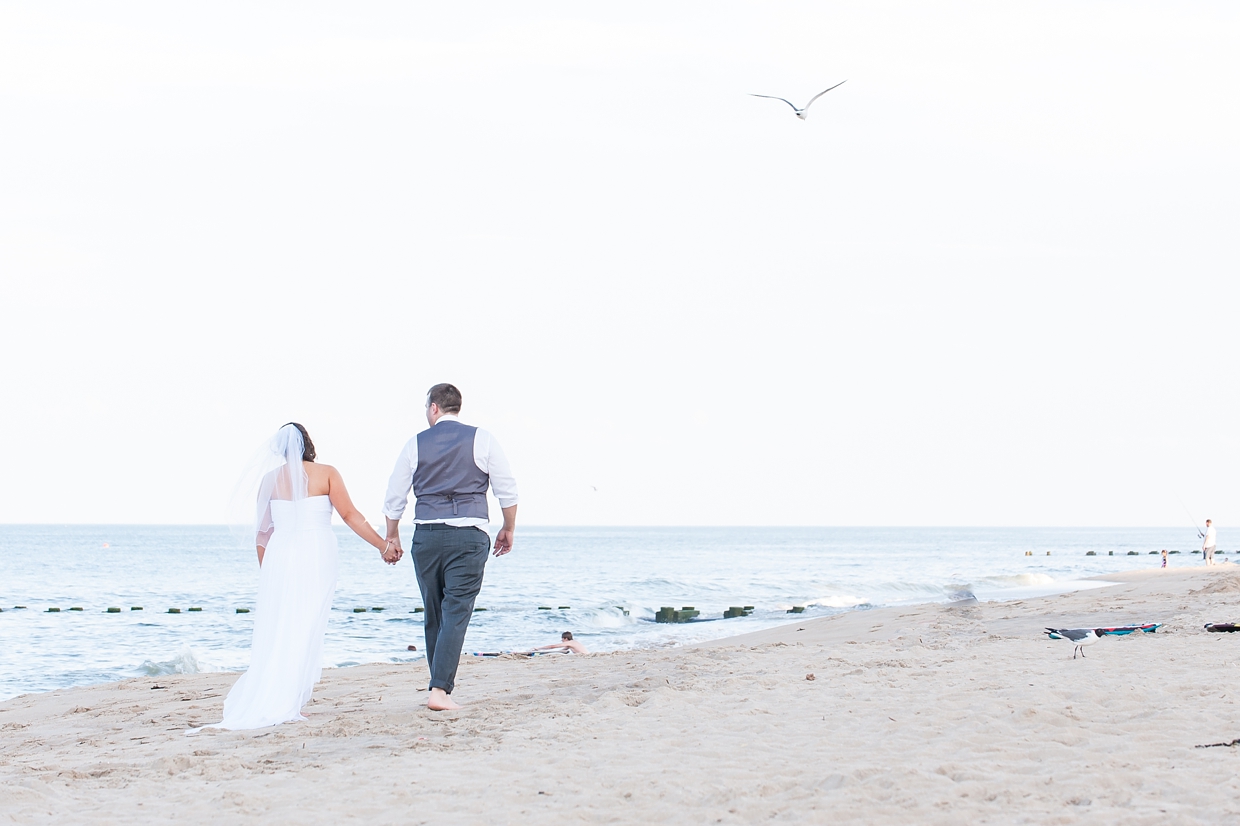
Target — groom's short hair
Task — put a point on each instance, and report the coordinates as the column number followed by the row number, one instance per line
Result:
column 446, row 396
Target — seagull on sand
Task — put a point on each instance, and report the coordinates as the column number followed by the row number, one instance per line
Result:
column 800, row 112
column 1080, row 637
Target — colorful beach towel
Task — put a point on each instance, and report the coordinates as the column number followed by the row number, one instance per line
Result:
column 1118, row 630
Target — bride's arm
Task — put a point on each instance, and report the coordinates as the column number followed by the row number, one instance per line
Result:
column 351, row 515
column 265, row 529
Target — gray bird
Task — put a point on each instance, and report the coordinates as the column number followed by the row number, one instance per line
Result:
column 1080, row 637
column 800, row 113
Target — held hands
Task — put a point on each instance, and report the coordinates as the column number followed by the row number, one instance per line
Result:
column 392, row 552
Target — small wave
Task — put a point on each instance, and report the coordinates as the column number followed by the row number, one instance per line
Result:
column 184, row 663
column 836, row 601
column 914, row 589
column 607, row 618
column 1016, row 580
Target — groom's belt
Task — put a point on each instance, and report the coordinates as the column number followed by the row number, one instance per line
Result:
column 444, row 526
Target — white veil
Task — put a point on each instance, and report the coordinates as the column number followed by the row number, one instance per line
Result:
column 275, row 472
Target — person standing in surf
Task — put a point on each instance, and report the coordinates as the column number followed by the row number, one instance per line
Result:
column 1208, row 543
column 449, row 467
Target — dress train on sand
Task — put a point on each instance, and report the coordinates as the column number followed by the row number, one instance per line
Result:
column 295, row 589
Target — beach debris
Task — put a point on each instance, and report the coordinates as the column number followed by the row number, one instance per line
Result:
column 804, row 110
column 417, row 610
column 479, row 609
column 19, row 607
column 380, row 608
column 243, row 610
column 810, row 677
column 195, row 609
column 174, row 610
column 53, row 610
column 667, row 614
column 544, row 608
column 1133, row 553
column 1235, row 742
column 961, row 598
column 136, row 608
column 412, row 648
column 797, row 609
column 155, row 687
column 359, row 610
column 1080, row 637
column 76, row 608
column 566, row 608
column 1122, row 630
column 1090, row 553
column 1222, row 627
column 734, row 611
column 114, row 610
column 1028, row 553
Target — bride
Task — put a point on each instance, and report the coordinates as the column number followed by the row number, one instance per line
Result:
column 297, row 577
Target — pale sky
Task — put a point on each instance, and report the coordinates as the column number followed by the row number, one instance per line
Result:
column 991, row 280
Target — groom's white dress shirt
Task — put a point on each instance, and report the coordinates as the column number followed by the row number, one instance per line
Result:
column 489, row 458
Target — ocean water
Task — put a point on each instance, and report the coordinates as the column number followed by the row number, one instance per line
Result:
column 603, row 584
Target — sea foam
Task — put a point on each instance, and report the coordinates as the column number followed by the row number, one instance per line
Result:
column 186, row 662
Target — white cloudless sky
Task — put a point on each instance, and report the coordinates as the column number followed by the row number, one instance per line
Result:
column 991, row 280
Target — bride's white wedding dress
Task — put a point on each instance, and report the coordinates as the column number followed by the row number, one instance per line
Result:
column 295, row 588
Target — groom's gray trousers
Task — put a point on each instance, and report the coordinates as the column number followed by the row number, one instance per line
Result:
column 449, row 563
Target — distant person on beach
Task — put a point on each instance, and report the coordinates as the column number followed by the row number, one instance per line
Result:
column 1207, row 544
column 449, row 467
column 1164, row 558
column 566, row 644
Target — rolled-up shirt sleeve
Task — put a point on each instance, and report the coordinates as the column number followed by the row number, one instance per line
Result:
column 401, row 481
column 490, row 458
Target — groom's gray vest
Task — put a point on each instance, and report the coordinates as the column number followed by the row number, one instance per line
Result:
column 446, row 482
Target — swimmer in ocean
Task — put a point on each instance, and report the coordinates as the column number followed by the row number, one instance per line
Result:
column 567, row 644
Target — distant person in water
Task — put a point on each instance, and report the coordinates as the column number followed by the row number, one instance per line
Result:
column 1207, row 544
column 1164, row 558
column 566, row 644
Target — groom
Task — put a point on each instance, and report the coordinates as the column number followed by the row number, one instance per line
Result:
column 449, row 467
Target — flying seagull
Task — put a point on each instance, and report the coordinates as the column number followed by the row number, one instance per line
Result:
column 801, row 112
column 1080, row 637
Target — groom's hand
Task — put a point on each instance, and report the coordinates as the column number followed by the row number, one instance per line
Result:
column 503, row 541
column 393, row 542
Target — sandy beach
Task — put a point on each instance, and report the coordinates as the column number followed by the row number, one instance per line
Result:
column 927, row 714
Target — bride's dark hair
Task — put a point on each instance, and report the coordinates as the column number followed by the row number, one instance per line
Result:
column 307, row 446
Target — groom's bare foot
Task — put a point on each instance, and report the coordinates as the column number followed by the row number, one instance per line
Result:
column 440, row 701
